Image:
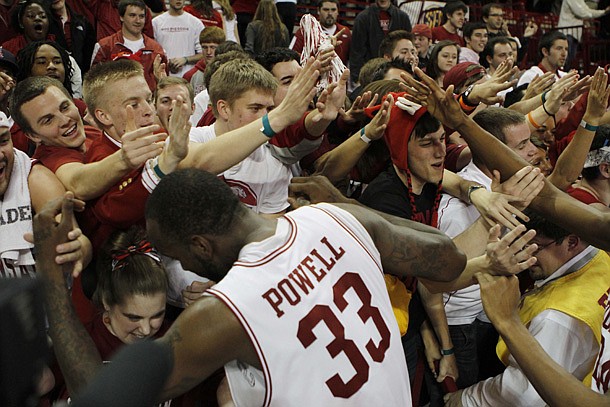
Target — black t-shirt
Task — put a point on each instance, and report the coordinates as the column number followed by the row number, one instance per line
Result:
column 388, row 194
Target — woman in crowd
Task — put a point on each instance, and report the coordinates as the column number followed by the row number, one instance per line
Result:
column 444, row 56
column 203, row 10
column 45, row 58
column 229, row 20
column 266, row 30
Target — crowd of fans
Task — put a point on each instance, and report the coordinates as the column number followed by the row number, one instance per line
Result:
column 434, row 128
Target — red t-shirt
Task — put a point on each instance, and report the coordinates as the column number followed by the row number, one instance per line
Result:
column 440, row 33
column 384, row 21
column 583, row 195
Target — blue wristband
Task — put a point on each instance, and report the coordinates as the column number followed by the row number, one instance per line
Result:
column 266, row 129
column 588, row 126
column 158, row 171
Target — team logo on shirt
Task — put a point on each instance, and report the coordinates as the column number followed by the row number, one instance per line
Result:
column 242, row 191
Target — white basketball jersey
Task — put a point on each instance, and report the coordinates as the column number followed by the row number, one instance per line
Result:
column 313, row 300
column 600, row 381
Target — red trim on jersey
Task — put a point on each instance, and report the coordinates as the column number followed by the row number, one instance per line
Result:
column 261, row 357
column 356, row 238
column 276, row 252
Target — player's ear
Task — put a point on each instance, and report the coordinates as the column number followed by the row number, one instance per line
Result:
column 201, row 246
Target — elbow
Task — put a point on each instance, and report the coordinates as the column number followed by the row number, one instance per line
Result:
column 454, row 260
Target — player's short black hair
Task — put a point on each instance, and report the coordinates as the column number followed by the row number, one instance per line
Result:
column 192, row 202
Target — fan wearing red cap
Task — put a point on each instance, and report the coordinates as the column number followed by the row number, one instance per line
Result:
column 410, row 187
column 422, row 38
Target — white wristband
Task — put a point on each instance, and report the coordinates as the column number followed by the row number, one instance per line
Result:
column 363, row 137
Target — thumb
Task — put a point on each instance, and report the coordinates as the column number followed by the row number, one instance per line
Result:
column 495, row 180
column 494, row 233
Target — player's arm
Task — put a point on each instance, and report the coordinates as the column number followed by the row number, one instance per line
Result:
column 231, row 148
column 45, row 187
column 75, row 351
column 198, row 352
column 500, row 296
column 410, row 248
column 589, row 223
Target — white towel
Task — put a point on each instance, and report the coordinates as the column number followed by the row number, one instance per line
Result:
column 16, row 214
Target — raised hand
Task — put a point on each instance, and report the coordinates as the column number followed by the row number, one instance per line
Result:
column 179, row 129
column 539, row 85
column 558, row 92
column 597, row 101
column 500, row 296
column 440, row 103
column 49, row 234
column 487, row 92
column 139, row 144
column 375, row 128
column 510, row 254
column 298, row 97
column 356, row 111
column 332, row 99
column 159, row 69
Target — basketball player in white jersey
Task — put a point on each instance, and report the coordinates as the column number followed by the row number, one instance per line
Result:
column 300, row 298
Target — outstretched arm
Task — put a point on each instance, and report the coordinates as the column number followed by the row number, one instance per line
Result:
column 75, row 351
column 572, row 159
column 200, row 352
column 231, row 148
column 500, row 296
column 410, row 248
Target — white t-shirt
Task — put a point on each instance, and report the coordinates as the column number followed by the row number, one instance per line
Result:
column 260, row 181
column 229, row 25
column 179, row 36
column 463, row 306
column 134, row 46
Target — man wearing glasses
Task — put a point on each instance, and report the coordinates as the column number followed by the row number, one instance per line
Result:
column 563, row 311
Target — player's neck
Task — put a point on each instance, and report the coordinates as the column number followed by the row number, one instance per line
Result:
column 255, row 227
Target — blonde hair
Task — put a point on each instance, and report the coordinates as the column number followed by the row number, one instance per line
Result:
column 236, row 77
column 96, row 80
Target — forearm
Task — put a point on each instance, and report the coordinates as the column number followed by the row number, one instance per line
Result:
column 536, row 118
column 229, row 149
column 76, row 353
column 571, row 161
column 193, row 59
column 455, row 185
column 337, row 163
column 316, row 128
column 479, row 264
column 526, row 106
column 490, row 150
column 89, row 181
column 473, row 240
column 552, row 382
column 433, row 304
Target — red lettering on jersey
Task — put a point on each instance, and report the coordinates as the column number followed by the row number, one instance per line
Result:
column 275, row 301
column 301, row 279
column 292, row 300
column 318, row 274
column 329, row 264
column 338, row 254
